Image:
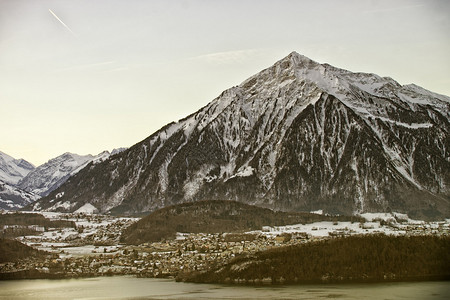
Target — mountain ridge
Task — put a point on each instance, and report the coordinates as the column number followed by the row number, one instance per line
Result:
column 12, row 170
column 360, row 142
column 50, row 175
column 31, row 183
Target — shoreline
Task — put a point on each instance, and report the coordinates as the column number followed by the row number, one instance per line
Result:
column 430, row 278
column 37, row 275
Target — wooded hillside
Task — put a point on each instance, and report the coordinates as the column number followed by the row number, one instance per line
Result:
column 357, row 258
column 12, row 251
column 214, row 217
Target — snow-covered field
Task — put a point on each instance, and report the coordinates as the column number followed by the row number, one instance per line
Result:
column 88, row 249
column 94, row 234
column 385, row 223
column 323, row 229
column 97, row 234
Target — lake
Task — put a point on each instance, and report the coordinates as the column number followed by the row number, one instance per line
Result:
column 124, row 287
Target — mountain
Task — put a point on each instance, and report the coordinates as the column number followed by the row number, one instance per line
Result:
column 12, row 170
column 21, row 183
column 49, row 176
column 13, row 198
column 298, row 136
column 118, row 150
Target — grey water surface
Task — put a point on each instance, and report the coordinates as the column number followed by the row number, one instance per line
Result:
column 124, row 287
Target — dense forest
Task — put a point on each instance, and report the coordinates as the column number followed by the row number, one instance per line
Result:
column 214, row 217
column 356, row 258
column 33, row 219
column 16, row 224
column 12, row 251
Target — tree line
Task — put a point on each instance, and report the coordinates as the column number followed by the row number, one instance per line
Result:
column 215, row 216
column 355, row 258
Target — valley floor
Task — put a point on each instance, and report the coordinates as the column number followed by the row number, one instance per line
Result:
column 93, row 249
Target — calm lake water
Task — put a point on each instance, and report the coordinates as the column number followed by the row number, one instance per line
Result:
column 149, row 288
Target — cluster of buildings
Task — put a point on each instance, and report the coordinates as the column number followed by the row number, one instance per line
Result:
column 189, row 252
column 93, row 249
column 97, row 230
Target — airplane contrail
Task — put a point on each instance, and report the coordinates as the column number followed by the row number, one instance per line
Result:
column 67, row 27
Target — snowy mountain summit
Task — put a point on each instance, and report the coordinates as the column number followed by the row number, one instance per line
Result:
column 298, row 136
column 12, row 170
column 21, row 183
column 49, row 176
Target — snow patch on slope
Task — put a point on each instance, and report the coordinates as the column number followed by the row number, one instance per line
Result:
column 196, row 181
column 244, row 171
column 67, row 205
column 87, row 209
column 411, row 126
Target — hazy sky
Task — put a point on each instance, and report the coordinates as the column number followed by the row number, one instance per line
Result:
column 85, row 76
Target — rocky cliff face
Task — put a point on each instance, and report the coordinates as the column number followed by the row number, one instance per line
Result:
column 297, row 136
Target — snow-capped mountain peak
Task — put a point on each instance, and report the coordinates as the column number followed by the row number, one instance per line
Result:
column 21, row 183
column 56, row 171
column 298, row 135
column 13, row 170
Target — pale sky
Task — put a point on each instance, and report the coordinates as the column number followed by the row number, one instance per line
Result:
column 85, row 76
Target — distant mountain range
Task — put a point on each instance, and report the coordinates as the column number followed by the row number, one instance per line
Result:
column 13, row 170
column 298, row 136
column 47, row 177
column 21, row 183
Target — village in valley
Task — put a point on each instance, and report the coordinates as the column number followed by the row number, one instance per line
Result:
column 92, row 247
